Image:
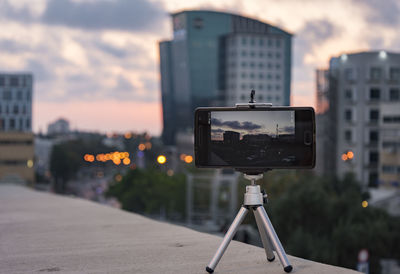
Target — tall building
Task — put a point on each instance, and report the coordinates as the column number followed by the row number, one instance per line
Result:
column 360, row 85
column 16, row 137
column 215, row 59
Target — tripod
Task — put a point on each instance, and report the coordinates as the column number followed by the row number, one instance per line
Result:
column 254, row 200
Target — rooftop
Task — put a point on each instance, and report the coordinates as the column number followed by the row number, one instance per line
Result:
column 42, row 232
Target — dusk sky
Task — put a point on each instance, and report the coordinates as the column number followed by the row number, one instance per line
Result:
column 96, row 62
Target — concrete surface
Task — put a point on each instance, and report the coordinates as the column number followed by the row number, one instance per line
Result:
column 44, row 233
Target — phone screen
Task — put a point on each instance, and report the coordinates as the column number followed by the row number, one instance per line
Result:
column 275, row 138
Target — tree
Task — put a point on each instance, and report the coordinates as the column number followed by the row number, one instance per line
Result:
column 151, row 192
column 322, row 219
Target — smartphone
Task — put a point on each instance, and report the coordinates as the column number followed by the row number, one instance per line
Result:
column 260, row 138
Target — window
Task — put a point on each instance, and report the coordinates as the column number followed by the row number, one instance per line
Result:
column 373, row 179
column 244, row 86
column 349, row 74
column 261, row 54
column 0, row 109
column 278, row 66
column 252, row 65
column 394, row 94
column 394, row 74
column 389, row 169
column 244, row 64
column 260, row 65
column 375, row 73
column 2, row 81
column 277, row 87
column 252, row 75
column 28, row 123
column 261, row 76
column 278, row 77
column 21, row 124
column 260, row 97
column 348, row 115
column 244, row 53
column 269, row 76
column 277, row 97
column 15, row 109
column 12, row 123
column 374, row 94
column 278, row 55
column 348, row 94
column 261, row 42
column 278, row 43
column 244, row 41
column 269, row 54
column 244, row 75
column 348, row 135
column 373, row 157
column 252, row 42
column 260, row 87
column 7, row 95
column 14, row 81
column 269, row 65
column 19, row 94
column 252, row 86
column 28, row 96
column 198, row 23
column 269, row 87
column 243, row 97
column 391, row 119
column 270, row 42
column 252, row 54
column 374, row 115
column 373, row 136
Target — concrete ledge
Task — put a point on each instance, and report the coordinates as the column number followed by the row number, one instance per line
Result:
column 41, row 232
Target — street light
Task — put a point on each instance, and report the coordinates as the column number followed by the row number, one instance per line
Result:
column 161, row 159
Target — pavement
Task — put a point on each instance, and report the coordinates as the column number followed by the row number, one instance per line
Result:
column 45, row 233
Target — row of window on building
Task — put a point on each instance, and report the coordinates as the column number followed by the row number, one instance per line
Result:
column 255, row 41
column 16, row 109
column 373, row 116
column 15, row 124
column 253, row 65
column 259, row 87
column 254, row 54
column 391, row 169
column 373, row 136
column 20, row 95
column 14, row 81
column 252, row 75
column 375, row 93
column 375, row 74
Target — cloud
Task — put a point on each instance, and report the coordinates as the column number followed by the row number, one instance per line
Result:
column 137, row 15
column 235, row 124
column 381, row 12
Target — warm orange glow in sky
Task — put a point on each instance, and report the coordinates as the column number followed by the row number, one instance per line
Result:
column 101, row 73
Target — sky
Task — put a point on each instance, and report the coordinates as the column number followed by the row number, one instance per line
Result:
column 96, row 62
column 255, row 122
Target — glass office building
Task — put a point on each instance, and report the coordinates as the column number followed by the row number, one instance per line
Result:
column 215, row 59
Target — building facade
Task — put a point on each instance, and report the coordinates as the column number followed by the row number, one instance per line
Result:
column 61, row 126
column 215, row 59
column 16, row 137
column 359, row 87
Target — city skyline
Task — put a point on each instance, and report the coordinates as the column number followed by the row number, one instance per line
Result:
column 103, row 74
column 251, row 123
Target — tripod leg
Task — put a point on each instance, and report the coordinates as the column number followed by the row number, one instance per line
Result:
column 227, row 239
column 264, row 238
column 274, row 238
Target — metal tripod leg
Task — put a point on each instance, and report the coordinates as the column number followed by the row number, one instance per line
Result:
column 264, row 238
column 227, row 239
column 262, row 214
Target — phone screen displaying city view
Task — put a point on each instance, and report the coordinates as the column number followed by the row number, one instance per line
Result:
column 253, row 138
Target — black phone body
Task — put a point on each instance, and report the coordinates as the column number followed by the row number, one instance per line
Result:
column 255, row 139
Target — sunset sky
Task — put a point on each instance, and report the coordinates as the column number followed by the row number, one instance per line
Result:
column 95, row 62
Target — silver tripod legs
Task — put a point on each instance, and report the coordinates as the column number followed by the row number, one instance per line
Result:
column 227, row 239
column 267, row 233
column 264, row 238
column 262, row 214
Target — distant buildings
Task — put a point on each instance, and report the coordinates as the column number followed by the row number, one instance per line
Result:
column 215, row 59
column 358, row 122
column 16, row 137
column 59, row 127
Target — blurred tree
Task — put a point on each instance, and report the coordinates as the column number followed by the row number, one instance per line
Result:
column 322, row 219
column 67, row 158
column 151, row 192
